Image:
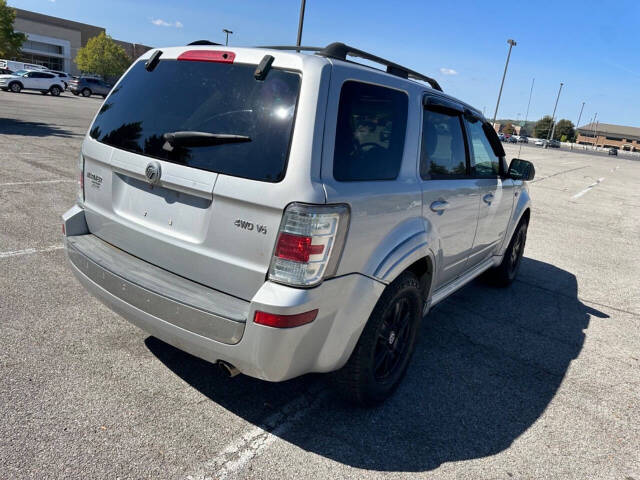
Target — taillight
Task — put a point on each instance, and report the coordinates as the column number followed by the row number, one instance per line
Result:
column 310, row 243
column 80, row 173
column 285, row 321
column 207, row 56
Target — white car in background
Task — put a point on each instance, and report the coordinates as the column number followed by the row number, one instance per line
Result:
column 44, row 82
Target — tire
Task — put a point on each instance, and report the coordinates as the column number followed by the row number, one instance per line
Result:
column 75, row 93
column 505, row 273
column 44, row 92
column 15, row 87
column 55, row 90
column 381, row 356
column 86, row 92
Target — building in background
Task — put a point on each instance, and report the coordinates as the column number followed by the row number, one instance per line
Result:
column 607, row 135
column 54, row 42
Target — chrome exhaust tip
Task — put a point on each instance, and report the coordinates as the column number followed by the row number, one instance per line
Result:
column 228, row 369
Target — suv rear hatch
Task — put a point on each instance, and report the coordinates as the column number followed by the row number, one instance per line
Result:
column 184, row 165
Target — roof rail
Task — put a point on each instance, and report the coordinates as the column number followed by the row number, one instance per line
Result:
column 203, row 42
column 300, row 49
column 341, row 51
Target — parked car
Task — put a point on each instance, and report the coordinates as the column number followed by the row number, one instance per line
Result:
column 523, row 139
column 304, row 223
column 5, row 71
column 87, row 86
column 502, row 137
column 613, row 151
column 512, row 139
column 15, row 66
column 64, row 76
column 540, row 142
column 42, row 81
column 554, row 143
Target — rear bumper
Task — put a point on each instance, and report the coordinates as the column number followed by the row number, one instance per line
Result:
column 215, row 326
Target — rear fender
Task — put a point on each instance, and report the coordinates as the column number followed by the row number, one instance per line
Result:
column 404, row 246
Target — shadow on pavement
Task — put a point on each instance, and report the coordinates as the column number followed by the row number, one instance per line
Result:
column 11, row 126
column 488, row 363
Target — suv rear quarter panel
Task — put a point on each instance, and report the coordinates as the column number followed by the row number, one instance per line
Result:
column 387, row 214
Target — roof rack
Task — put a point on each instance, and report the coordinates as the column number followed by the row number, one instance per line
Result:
column 203, row 42
column 341, row 51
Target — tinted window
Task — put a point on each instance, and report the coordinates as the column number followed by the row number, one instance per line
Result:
column 204, row 97
column 443, row 153
column 484, row 162
column 372, row 123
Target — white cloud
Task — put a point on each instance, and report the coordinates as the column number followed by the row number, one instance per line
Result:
column 162, row 23
column 448, row 71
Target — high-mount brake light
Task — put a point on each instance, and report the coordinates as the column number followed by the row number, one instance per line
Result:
column 207, row 56
column 309, row 245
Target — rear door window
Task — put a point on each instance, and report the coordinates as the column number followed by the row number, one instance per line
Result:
column 214, row 98
column 443, row 154
column 370, row 132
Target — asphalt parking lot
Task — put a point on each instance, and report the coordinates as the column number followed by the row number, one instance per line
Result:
column 540, row 380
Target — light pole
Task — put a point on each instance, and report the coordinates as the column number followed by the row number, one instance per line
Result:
column 526, row 115
column 595, row 131
column 553, row 117
column 578, row 124
column 512, row 43
column 224, row 30
column 300, row 22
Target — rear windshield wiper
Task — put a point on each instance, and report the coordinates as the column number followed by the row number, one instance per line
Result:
column 200, row 139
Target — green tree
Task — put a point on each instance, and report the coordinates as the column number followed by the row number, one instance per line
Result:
column 102, row 56
column 508, row 129
column 541, row 130
column 10, row 41
column 564, row 128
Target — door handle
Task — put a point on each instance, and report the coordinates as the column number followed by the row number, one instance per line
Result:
column 488, row 198
column 439, row 206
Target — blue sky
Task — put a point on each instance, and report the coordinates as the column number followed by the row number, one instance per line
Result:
column 592, row 46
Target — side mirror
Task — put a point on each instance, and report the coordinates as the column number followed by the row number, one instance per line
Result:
column 26, row 75
column 521, row 170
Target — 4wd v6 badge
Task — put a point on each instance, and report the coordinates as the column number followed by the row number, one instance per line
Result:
column 250, row 226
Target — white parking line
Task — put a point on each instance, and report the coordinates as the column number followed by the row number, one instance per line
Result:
column 29, row 251
column 237, row 454
column 582, row 192
column 35, row 182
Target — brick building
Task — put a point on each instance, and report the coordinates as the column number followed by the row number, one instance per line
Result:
column 607, row 135
column 54, row 42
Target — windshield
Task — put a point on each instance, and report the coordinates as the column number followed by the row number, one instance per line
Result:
column 215, row 98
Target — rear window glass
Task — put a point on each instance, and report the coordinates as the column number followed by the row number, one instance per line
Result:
column 372, row 122
column 443, row 153
column 217, row 98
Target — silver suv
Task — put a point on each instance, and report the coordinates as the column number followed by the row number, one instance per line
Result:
column 281, row 213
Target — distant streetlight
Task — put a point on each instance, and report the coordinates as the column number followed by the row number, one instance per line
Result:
column 300, row 22
column 512, row 43
column 553, row 117
column 526, row 115
column 224, row 30
column 579, row 117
